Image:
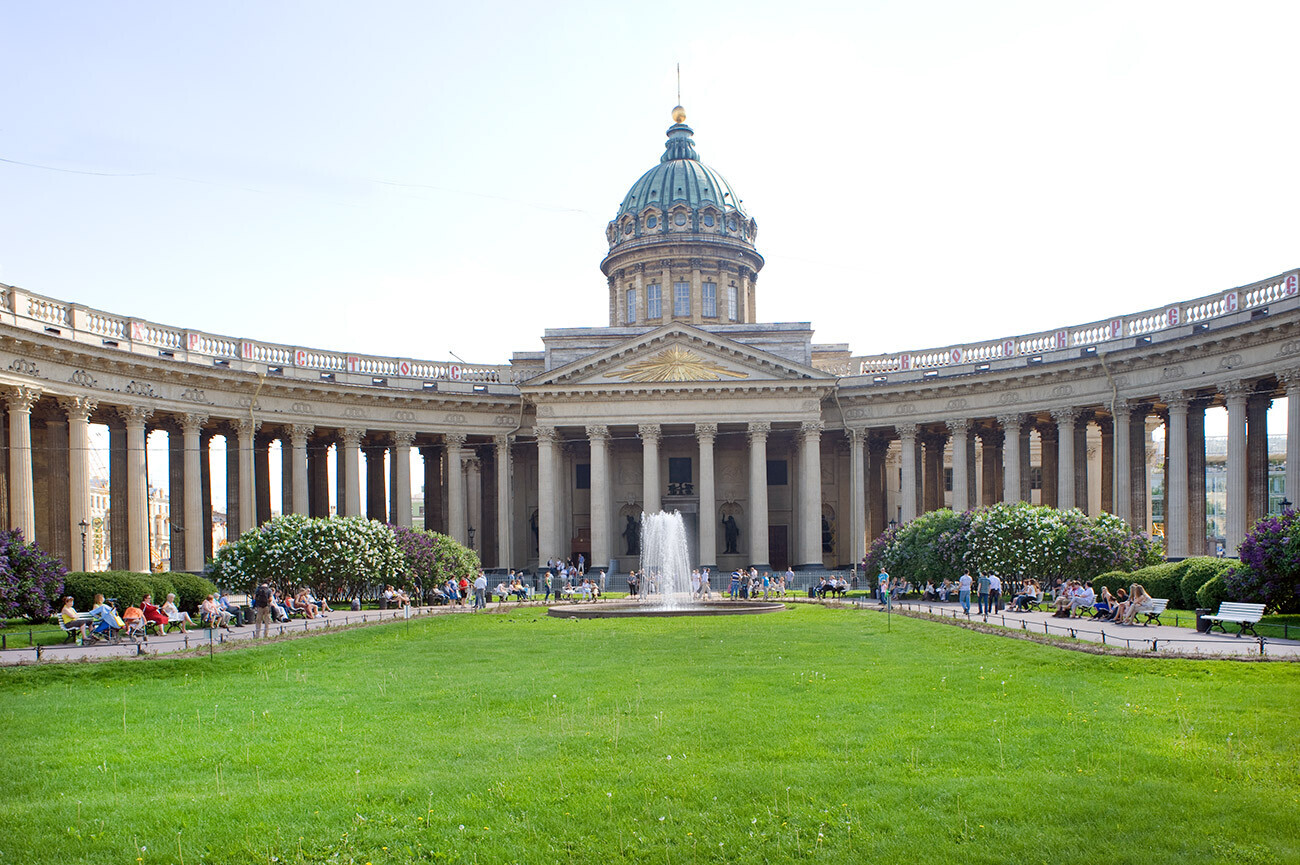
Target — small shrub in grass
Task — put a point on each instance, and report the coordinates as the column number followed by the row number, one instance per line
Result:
column 1199, row 571
column 31, row 581
column 127, row 586
column 1213, row 593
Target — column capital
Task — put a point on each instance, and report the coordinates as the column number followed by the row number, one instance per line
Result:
column 1065, row 415
column 352, row 437
column 706, row 430
column 1105, row 424
column 1176, row 400
column 1289, row 377
column 598, row 431
column 1011, row 421
column 78, row 408
column 544, row 434
column 248, row 426
column 758, row 430
column 958, row 426
column 990, row 437
column 855, row 436
column 21, row 397
column 1047, row 431
column 133, row 415
column 193, row 422
column 905, row 430
column 876, row 445
column 503, row 442
column 457, row 440
column 811, row 428
column 1234, row 390
column 298, row 434
column 648, row 431
column 403, row 438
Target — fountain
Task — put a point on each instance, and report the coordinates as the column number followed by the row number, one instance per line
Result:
column 665, row 588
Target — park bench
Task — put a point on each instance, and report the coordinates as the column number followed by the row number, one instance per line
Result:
column 1245, row 615
column 73, row 629
column 1153, row 615
column 833, row 591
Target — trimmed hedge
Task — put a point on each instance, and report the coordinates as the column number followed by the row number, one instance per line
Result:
column 1177, row 581
column 1213, row 593
column 130, row 588
column 1113, row 580
column 1199, row 571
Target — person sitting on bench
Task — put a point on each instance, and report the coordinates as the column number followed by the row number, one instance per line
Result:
column 174, row 615
column 1138, row 602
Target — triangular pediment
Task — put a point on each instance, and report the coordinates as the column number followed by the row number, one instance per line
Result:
column 675, row 355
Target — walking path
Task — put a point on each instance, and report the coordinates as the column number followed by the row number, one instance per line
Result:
column 1161, row 639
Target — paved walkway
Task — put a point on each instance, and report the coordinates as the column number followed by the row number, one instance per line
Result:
column 1162, row 639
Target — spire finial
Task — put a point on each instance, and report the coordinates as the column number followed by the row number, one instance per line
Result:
column 679, row 113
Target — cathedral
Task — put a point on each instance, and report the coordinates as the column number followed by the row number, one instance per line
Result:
column 777, row 450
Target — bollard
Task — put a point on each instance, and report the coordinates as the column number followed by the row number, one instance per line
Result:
column 1261, row 644
column 30, row 641
column 38, row 653
column 139, row 649
column 1103, row 638
column 187, row 641
column 4, row 641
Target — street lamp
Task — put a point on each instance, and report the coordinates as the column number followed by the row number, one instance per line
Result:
column 471, row 537
column 84, row 525
column 1286, row 505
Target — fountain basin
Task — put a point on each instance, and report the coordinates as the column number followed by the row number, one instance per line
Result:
column 634, row 609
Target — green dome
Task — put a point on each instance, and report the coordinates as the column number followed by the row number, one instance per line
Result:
column 680, row 195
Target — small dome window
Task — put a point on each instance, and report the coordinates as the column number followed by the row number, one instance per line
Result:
column 708, row 219
column 651, row 221
column 680, row 218
column 731, row 225
column 627, row 228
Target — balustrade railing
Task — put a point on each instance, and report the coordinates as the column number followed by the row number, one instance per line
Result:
column 965, row 358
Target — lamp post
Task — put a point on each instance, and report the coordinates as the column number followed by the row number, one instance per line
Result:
column 470, row 532
column 1286, row 505
column 84, row 526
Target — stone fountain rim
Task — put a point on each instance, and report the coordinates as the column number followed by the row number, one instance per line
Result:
column 634, row 609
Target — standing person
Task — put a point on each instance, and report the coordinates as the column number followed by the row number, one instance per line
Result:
column 984, row 594
column 602, row 584
column 262, row 611
column 735, row 584
column 582, row 564
column 882, row 586
column 546, row 583
column 995, row 593
column 963, row 591
column 480, row 591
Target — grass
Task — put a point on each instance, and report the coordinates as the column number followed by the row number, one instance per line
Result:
column 817, row 734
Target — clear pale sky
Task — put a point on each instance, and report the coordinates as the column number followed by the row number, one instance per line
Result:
column 419, row 178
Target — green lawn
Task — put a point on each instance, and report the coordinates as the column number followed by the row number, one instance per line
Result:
column 812, row 734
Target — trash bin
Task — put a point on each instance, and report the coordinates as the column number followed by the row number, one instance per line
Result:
column 1202, row 623
column 812, row 591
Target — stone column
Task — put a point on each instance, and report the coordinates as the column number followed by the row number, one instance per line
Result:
column 907, row 445
column 1121, row 417
column 1176, row 529
column 1065, row 442
column 318, row 478
column 191, row 433
column 547, row 517
column 1290, row 379
column 300, row 497
column 79, row 410
column 1106, row 425
column 262, row 471
column 473, row 467
column 1257, row 405
column 505, row 504
column 810, row 495
column 349, row 467
column 1235, row 393
column 601, row 550
column 960, row 430
column 1196, row 479
column 857, row 494
column 1137, row 445
column 401, row 456
column 991, row 443
column 432, row 489
column 247, row 489
column 706, row 434
column 376, row 484
column 1011, row 456
column 22, row 506
column 877, row 494
column 205, row 489
column 1049, row 464
column 650, row 500
column 137, row 496
column 457, row 518
column 760, row 556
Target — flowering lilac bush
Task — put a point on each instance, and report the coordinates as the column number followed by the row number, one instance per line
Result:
column 1012, row 540
column 1270, row 565
column 431, row 558
column 336, row 556
column 31, row 581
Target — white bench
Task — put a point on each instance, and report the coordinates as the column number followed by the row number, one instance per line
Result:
column 1153, row 615
column 1245, row 615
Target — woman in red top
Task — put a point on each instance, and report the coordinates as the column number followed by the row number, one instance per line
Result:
column 153, row 615
column 464, row 590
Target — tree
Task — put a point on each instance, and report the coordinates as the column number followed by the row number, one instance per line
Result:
column 31, row 580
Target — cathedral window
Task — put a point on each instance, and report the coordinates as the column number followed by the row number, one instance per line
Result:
column 710, row 299
column 733, row 302
column 708, row 219
column 681, row 298
column 651, row 221
column 653, row 302
column 631, row 306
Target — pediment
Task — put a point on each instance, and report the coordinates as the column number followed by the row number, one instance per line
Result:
column 676, row 355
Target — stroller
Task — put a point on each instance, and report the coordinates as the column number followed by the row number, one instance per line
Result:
column 107, row 627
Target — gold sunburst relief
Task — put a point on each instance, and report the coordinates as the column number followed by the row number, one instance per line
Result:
column 677, row 364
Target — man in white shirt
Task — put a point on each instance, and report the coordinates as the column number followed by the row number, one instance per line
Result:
column 995, row 594
column 1082, row 600
column 963, row 592
column 480, row 591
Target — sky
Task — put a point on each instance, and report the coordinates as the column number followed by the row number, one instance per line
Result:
column 433, row 180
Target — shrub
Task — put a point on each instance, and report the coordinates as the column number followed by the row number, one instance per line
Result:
column 1161, row 581
column 127, row 586
column 1213, row 593
column 1113, row 580
column 190, row 589
column 431, row 557
column 1012, row 540
column 31, row 581
column 159, row 585
column 336, row 556
column 1199, row 571
column 1270, row 565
